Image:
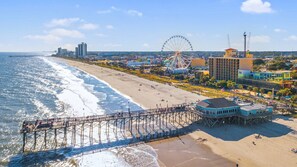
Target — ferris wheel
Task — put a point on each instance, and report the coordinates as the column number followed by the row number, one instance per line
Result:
column 178, row 50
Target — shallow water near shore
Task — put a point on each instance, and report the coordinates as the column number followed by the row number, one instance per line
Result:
column 40, row 87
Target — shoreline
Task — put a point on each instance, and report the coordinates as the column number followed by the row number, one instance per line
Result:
column 235, row 143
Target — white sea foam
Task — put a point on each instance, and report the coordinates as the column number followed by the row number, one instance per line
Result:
column 115, row 90
column 81, row 102
column 43, row 111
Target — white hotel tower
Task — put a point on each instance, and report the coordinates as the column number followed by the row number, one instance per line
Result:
column 81, row 50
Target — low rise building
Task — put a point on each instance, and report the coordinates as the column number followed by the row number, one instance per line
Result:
column 248, row 109
column 220, row 110
column 198, row 63
column 218, row 107
column 267, row 79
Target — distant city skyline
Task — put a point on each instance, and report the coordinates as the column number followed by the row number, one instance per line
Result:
column 117, row 25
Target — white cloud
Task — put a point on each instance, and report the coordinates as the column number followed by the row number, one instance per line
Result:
column 100, row 35
column 279, row 30
column 56, row 35
column 256, row 6
column 89, row 26
column 189, row 35
column 134, row 13
column 260, row 39
column 104, row 11
column 46, row 38
column 62, row 22
column 291, row 38
column 61, row 32
column 110, row 27
column 112, row 9
column 69, row 46
column 112, row 45
column 145, row 45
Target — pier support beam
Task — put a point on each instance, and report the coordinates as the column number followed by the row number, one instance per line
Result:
column 55, row 133
column 24, row 141
column 35, row 138
column 45, row 138
column 99, row 131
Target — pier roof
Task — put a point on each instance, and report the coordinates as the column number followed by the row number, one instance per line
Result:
column 217, row 103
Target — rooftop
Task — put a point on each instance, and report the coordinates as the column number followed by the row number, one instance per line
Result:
column 217, row 103
column 253, row 107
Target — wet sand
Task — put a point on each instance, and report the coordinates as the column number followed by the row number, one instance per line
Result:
column 183, row 151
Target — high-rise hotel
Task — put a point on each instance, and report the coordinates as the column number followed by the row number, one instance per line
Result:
column 226, row 68
column 81, row 50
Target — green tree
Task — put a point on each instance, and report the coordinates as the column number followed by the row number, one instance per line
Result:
column 230, row 84
column 293, row 99
column 240, row 86
column 157, row 70
column 212, row 80
column 141, row 69
column 284, row 92
column 294, row 74
column 250, row 88
column 179, row 77
column 221, row 84
column 204, row 79
column 259, row 62
column 262, row 91
column 255, row 89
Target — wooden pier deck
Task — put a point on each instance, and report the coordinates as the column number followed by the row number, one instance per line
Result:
column 125, row 127
column 145, row 125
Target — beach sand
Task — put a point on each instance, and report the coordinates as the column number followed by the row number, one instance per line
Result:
column 183, row 151
column 236, row 143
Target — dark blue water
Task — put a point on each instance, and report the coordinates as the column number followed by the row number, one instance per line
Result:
column 41, row 87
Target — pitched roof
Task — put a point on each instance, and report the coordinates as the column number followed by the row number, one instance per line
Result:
column 231, row 49
column 216, row 103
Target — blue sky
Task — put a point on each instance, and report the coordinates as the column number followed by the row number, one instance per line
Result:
column 125, row 25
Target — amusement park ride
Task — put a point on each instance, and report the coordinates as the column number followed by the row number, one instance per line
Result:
column 178, row 50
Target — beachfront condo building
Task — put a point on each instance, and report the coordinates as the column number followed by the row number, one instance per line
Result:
column 226, row 68
column 81, row 50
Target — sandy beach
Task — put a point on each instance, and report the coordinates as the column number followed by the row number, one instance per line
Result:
column 268, row 144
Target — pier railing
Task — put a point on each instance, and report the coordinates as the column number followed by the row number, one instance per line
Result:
column 125, row 127
column 144, row 125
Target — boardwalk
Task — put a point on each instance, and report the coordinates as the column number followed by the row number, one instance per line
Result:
column 146, row 125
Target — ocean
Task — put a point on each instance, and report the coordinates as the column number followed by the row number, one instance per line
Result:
column 39, row 87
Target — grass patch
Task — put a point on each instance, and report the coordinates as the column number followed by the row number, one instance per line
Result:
column 182, row 84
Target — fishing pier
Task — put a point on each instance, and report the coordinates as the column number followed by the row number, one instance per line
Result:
column 145, row 125
column 137, row 126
